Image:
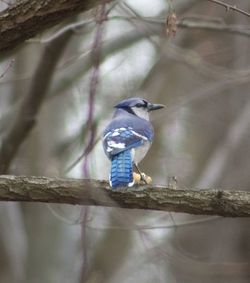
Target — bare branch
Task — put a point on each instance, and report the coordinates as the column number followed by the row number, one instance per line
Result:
column 213, row 26
column 7, row 68
column 27, row 18
column 94, row 80
column 230, row 7
column 227, row 147
column 97, row 193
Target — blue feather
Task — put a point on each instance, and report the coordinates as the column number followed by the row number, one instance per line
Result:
column 121, row 174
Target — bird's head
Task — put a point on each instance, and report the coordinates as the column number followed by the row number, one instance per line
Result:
column 138, row 106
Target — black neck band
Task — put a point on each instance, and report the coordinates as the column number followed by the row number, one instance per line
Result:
column 129, row 110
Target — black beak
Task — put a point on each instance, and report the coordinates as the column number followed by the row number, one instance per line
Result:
column 152, row 107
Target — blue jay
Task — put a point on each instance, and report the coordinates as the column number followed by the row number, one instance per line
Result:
column 127, row 139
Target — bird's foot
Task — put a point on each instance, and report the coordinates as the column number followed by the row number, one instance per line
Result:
column 142, row 179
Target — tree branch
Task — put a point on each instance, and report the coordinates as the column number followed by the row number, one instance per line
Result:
column 97, row 193
column 230, row 7
column 212, row 26
column 27, row 18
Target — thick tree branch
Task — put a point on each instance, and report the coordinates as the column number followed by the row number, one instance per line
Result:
column 27, row 18
column 98, row 193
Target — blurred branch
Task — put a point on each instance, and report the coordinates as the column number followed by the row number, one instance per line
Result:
column 110, row 47
column 83, row 64
column 193, row 24
column 94, row 80
column 217, row 162
column 25, row 118
column 27, row 18
column 97, row 193
column 213, row 26
column 7, row 68
column 71, row 74
column 230, row 7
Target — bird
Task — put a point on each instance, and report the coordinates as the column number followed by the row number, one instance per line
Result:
column 127, row 139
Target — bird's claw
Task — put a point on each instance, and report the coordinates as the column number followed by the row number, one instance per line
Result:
column 142, row 179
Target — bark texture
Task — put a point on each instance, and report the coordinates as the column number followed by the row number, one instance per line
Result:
column 97, row 193
column 27, row 18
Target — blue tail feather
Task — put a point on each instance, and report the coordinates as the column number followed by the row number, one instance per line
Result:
column 121, row 170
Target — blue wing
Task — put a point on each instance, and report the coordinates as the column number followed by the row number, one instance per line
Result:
column 120, row 139
column 123, row 135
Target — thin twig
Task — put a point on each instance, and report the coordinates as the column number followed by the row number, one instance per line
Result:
column 7, row 68
column 86, row 151
column 96, row 57
column 212, row 26
column 230, row 7
column 134, row 20
column 191, row 24
column 151, row 226
column 238, row 131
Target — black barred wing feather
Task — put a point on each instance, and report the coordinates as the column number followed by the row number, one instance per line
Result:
column 123, row 138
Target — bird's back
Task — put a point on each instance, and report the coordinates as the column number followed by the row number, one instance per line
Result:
column 126, row 131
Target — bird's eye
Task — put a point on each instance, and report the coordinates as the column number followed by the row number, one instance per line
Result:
column 139, row 105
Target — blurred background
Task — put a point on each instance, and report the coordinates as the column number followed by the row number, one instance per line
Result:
column 200, row 72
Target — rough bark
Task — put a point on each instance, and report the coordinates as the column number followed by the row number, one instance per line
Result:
column 97, row 193
column 27, row 18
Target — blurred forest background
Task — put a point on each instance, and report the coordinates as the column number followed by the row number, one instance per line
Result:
column 201, row 74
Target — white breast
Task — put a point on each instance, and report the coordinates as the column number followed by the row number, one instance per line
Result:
column 139, row 153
